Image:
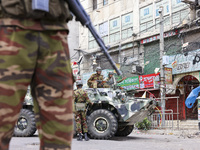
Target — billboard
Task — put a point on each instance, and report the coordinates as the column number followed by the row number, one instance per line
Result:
column 130, row 83
column 147, row 81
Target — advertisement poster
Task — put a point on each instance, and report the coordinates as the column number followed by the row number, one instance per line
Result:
column 183, row 64
column 147, row 81
column 168, row 75
column 130, row 83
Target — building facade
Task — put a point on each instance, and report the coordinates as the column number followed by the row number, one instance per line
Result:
column 131, row 28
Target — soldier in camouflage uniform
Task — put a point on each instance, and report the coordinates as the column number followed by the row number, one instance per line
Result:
column 81, row 97
column 96, row 77
column 34, row 50
column 112, row 81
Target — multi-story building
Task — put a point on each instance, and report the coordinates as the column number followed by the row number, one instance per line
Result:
column 131, row 28
column 73, row 38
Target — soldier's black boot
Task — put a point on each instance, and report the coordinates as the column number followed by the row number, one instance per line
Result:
column 86, row 137
column 79, row 137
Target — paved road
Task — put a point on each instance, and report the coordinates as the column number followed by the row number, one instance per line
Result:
column 135, row 141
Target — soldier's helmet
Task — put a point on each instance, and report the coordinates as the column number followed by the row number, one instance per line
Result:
column 98, row 69
column 111, row 73
column 79, row 83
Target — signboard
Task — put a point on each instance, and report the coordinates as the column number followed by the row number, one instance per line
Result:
column 189, row 78
column 165, row 4
column 130, row 83
column 157, row 37
column 147, row 81
column 146, row 14
column 114, row 25
column 127, row 21
column 75, row 71
column 183, row 64
column 168, row 75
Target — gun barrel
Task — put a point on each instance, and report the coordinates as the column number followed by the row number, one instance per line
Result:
column 103, row 48
column 77, row 9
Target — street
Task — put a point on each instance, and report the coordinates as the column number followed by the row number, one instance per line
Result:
column 135, row 141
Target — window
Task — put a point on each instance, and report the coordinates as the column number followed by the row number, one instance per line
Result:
column 146, row 11
column 91, row 41
column 127, row 25
column 105, row 2
column 103, row 31
column 115, row 23
column 127, row 33
column 94, row 4
column 114, row 30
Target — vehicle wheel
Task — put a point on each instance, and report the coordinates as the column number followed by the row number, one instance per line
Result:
column 25, row 125
column 102, row 124
column 124, row 130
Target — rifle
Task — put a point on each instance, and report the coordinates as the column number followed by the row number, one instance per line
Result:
column 77, row 9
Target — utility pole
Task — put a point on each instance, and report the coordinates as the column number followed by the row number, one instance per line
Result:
column 162, row 72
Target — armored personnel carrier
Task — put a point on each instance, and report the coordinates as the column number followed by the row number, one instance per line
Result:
column 114, row 112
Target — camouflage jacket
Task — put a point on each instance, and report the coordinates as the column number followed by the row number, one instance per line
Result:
column 94, row 77
column 81, row 96
column 31, row 24
column 20, row 14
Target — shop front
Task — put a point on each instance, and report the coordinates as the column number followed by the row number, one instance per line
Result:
column 185, row 70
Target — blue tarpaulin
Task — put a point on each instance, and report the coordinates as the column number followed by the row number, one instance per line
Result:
column 192, row 97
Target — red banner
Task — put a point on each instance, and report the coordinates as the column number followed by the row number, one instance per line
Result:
column 147, row 81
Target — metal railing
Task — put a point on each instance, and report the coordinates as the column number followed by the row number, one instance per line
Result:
column 156, row 120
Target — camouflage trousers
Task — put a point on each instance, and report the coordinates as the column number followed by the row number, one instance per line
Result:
column 81, row 124
column 40, row 59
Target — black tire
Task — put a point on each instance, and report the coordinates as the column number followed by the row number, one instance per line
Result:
column 124, row 130
column 25, row 125
column 102, row 124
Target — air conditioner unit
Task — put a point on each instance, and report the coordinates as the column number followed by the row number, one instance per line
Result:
column 137, row 69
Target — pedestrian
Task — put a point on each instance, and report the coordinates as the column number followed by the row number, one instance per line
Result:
column 34, row 50
column 111, row 81
column 96, row 77
column 81, row 100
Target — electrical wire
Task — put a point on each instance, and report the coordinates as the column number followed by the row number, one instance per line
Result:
column 73, row 56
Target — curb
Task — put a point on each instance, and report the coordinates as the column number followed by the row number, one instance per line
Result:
column 169, row 132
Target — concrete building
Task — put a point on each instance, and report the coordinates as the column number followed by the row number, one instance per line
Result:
column 131, row 29
column 73, row 38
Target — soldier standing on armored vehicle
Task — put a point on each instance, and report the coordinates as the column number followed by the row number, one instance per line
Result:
column 96, row 77
column 81, row 100
column 111, row 81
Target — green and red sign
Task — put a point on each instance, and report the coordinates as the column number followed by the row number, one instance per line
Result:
column 147, row 81
column 130, row 83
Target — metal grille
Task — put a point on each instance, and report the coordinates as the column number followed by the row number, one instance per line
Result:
column 156, row 120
